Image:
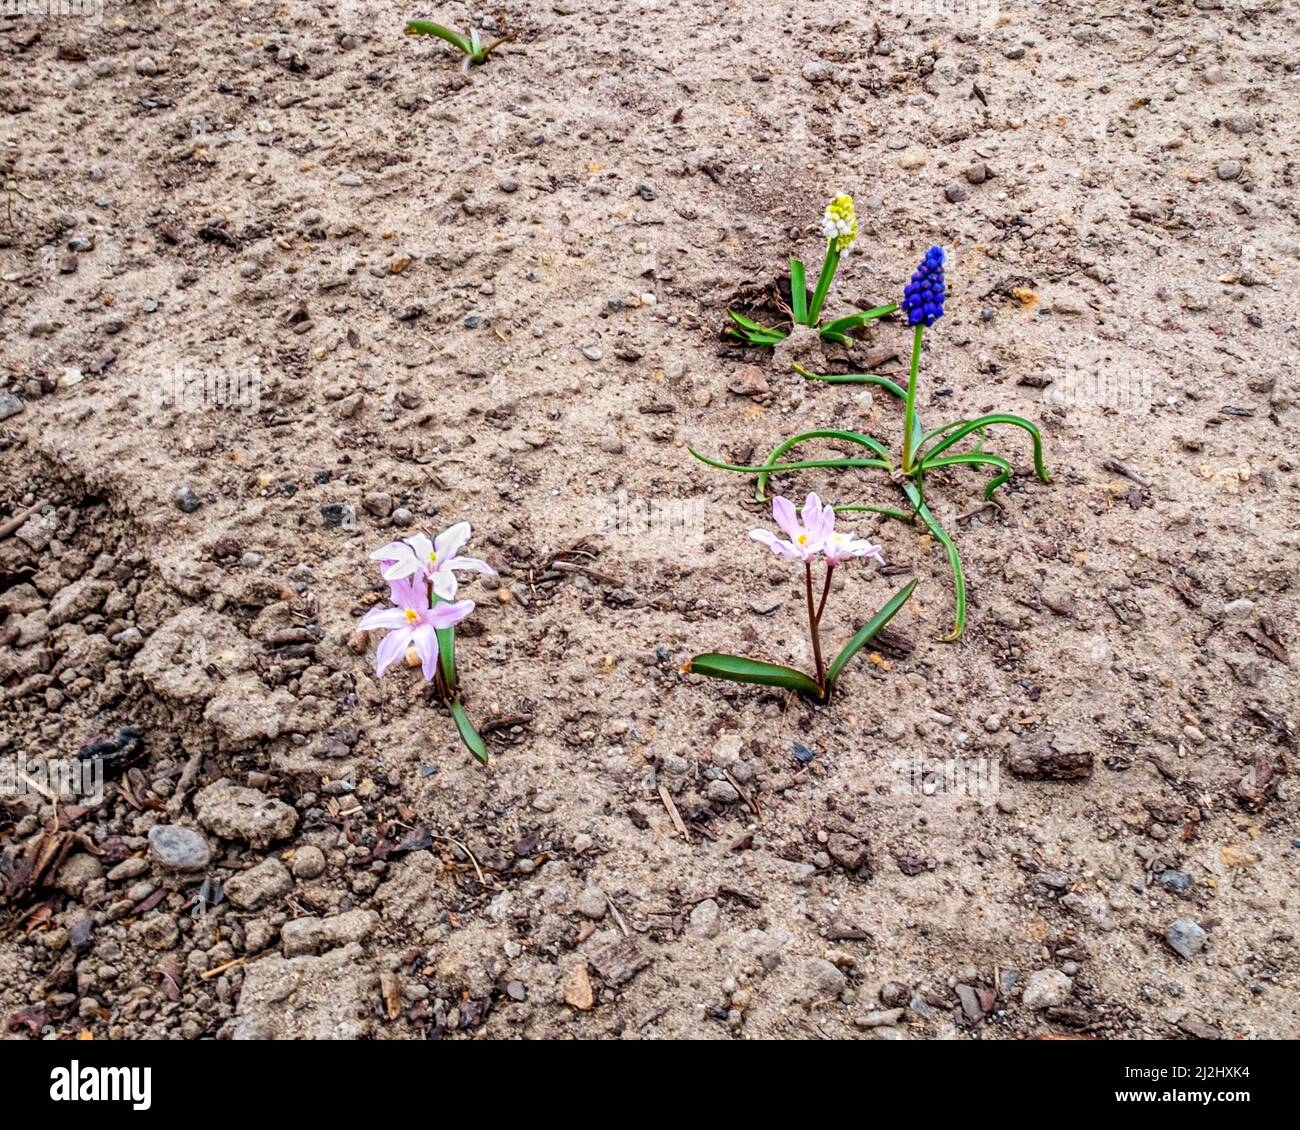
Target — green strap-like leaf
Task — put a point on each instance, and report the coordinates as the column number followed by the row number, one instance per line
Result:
column 756, row 338
column 954, row 560
column 868, row 631
column 425, row 27
column 859, row 508
column 468, row 734
column 770, row 465
column 861, row 318
column 829, row 266
column 798, row 292
column 751, row 325
column 983, row 422
column 975, row 459
column 832, row 335
column 768, row 469
column 447, row 655
column 740, row 670
column 853, row 379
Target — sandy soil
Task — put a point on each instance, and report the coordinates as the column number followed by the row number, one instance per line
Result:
column 501, row 300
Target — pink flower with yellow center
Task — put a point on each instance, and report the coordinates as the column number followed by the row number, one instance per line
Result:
column 433, row 560
column 412, row 622
column 806, row 538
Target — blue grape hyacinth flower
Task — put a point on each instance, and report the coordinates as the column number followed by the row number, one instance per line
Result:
column 923, row 296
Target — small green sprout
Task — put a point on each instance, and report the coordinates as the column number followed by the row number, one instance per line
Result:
column 470, row 46
column 840, row 227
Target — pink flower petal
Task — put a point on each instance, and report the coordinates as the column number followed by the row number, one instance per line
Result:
column 392, row 648
column 783, row 513
column 447, row 614
column 426, row 646
column 386, row 618
column 472, row 564
column 451, row 541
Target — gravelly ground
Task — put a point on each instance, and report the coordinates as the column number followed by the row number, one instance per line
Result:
column 501, row 300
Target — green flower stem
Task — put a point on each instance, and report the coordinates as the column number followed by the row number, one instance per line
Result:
column 909, row 416
column 829, row 266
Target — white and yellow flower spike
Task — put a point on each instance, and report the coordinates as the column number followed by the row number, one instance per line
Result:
column 840, row 222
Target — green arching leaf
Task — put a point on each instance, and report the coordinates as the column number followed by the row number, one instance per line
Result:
column 756, row 338
column 751, row 325
column 975, row 459
column 985, row 421
column 859, row 508
column 853, row 379
column 954, row 560
column 836, row 337
column 946, row 428
column 829, row 266
column 807, row 464
column 470, row 736
column 760, row 485
column 861, row 318
column 798, row 292
column 739, row 670
column 868, row 631
column 426, row 27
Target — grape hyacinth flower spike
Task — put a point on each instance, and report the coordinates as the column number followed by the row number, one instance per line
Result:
column 923, row 296
column 811, row 534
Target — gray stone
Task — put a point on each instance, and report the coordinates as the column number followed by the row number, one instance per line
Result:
column 9, row 406
column 178, row 848
column 338, row 515
column 1185, row 937
column 706, row 919
column 1046, row 988
column 591, row 903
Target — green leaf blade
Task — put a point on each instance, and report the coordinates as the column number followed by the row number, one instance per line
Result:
column 954, row 560
column 868, row 631
column 427, row 27
column 798, row 292
column 470, row 736
column 861, row 318
column 737, row 669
